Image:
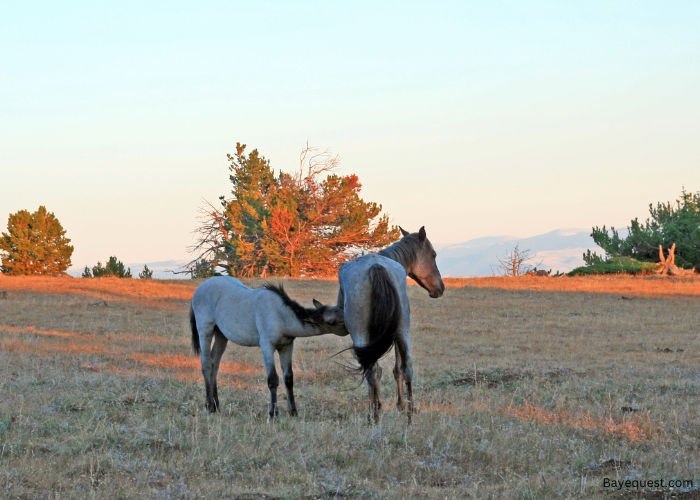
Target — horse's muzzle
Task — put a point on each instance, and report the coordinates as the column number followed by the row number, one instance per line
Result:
column 437, row 293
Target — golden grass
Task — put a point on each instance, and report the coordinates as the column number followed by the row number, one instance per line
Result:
column 633, row 286
column 525, row 388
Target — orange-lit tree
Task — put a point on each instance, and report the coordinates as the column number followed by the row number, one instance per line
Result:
column 35, row 243
column 304, row 223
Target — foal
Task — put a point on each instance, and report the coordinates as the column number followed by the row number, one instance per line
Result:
column 225, row 309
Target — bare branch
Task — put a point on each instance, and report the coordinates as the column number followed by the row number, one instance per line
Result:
column 515, row 263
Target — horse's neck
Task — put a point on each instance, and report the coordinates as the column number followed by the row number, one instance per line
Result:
column 401, row 253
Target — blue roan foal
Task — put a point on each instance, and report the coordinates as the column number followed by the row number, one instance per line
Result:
column 225, row 309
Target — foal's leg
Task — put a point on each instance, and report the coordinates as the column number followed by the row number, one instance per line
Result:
column 398, row 375
column 273, row 380
column 374, row 375
column 206, row 333
column 217, row 351
column 286, row 363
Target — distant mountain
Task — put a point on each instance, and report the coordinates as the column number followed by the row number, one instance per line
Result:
column 559, row 250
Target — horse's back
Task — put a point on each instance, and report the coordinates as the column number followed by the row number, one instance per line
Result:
column 356, row 288
column 354, row 275
column 230, row 305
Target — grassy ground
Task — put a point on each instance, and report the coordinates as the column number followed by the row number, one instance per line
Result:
column 526, row 388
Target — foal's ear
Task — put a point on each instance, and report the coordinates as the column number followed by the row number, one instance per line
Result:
column 421, row 234
column 403, row 231
column 317, row 304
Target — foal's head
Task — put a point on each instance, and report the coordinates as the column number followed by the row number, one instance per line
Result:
column 331, row 319
column 328, row 319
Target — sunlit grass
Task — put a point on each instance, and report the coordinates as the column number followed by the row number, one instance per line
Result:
column 525, row 388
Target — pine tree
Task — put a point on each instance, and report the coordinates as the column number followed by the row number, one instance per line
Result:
column 35, row 243
column 146, row 274
column 246, row 213
column 291, row 224
column 113, row 268
column 669, row 224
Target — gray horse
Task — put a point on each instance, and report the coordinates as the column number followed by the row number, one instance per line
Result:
column 377, row 313
column 225, row 309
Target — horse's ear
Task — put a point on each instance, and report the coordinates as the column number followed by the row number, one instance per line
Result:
column 403, row 231
column 317, row 304
column 421, row 234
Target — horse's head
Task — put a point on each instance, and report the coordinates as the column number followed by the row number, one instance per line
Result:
column 424, row 270
column 330, row 318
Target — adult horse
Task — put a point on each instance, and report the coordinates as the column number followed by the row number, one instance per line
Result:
column 377, row 313
column 225, row 309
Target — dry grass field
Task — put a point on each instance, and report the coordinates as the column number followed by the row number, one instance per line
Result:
column 526, row 388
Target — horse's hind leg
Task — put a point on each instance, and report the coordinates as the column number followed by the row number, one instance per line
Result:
column 286, row 362
column 220, row 342
column 407, row 368
column 398, row 375
column 374, row 376
column 273, row 380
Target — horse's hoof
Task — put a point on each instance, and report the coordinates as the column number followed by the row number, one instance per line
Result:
column 294, row 412
column 400, row 406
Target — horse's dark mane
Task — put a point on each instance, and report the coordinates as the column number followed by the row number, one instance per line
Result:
column 303, row 314
column 405, row 251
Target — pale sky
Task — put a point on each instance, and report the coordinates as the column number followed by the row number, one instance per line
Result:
column 471, row 118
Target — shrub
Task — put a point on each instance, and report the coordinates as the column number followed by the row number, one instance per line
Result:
column 615, row 265
column 113, row 268
column 146, row 274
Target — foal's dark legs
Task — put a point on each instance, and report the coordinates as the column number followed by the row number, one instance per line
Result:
column 273, row 381
column 217, row 352
column 211, row 358
column 286, row 363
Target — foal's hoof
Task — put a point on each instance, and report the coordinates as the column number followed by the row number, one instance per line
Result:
column 400, row 406
column 293, row 412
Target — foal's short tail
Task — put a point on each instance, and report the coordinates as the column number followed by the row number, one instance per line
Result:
column 195, row 334
column 384, row 319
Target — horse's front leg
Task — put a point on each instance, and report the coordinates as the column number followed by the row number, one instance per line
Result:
column 398, row 375
column 288, row 375
column 374, row 376
column 273, row 380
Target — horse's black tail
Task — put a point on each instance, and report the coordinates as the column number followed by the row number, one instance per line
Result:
column 384, row 319
column 195, row 334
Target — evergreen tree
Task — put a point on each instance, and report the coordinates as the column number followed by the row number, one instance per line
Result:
column 146, row 274
column 35, row 243
column 113, row 268
column 677, row 223
column 306, row 223
column 246, row 213
column 204, row 269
